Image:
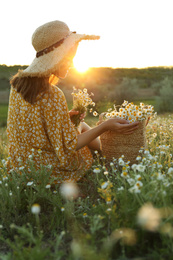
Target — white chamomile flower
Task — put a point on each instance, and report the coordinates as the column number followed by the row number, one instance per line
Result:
column 140, row 168
column 29, row 183
column 170, row 170
column 35, row 209
column 104, row 185
column 97, row 170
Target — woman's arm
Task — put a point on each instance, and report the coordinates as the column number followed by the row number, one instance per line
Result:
column 118, row 125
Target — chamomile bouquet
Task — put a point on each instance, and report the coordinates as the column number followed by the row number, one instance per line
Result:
column 132, row 112
column 81, row 101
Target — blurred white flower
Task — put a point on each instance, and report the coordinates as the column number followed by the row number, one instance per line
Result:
column 76, row 249
column 104, row 185
column 97, row 170
column 35, row 209
column 131, row 181
column 3, row 162
column 48, row 186
column 170, row 170
column 121, row 188
column 134, row 167
column 160, row 176
column 124, row 175
column 149, row 217
column 69, row 190
column 135, row 189
column 146, row 152
column 140, row 168
column 121, row 162
column 138, row 177
column 139, row 184
column 85, row 215
column 29, row 183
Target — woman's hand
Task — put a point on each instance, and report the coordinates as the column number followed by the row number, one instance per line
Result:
column 120, row 126
column 73, row 112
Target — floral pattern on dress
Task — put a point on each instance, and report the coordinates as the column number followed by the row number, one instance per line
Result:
column 45, row 130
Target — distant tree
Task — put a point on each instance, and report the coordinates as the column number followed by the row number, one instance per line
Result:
column 126, row 90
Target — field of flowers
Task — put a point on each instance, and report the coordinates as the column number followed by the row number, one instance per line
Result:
column 128, row 213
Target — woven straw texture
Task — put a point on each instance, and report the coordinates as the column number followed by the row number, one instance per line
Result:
column 115, row 145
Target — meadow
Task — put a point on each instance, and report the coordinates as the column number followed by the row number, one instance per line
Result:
column 127, row 214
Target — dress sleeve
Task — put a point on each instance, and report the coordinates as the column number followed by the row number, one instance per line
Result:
column 60, row 130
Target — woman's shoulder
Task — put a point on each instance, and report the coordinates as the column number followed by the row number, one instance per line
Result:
column 53, row 97
column 56, row 93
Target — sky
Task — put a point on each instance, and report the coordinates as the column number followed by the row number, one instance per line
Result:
column 134, row 33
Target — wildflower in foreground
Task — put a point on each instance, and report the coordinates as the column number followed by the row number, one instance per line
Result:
column 97, row 170
column 69, row 190
column 140, row 168
column 35, row 209
column 124, row 174
column 76, row 249
column 104, row 185
column 126, row 235
column 149, row 217
column 121, row 188
column 29, row 183
column 170, row 170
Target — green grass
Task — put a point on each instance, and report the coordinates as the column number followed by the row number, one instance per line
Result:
column 127, row 213
column 3, row 115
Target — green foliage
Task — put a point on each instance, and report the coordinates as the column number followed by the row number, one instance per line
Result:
column 164, row 99
column 108, row 84
column 126, row 90
column 128, row 214
column 3, row 115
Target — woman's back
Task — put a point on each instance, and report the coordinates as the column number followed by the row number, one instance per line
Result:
column 44, row 130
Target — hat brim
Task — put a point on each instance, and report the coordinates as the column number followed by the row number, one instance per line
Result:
column 44, row 65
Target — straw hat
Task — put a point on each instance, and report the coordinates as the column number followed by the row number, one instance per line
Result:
column 52, row 41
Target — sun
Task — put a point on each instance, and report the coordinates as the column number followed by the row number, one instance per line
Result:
column 80, row 64
column 83, row 59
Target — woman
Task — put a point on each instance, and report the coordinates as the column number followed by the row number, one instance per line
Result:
column 39, row 124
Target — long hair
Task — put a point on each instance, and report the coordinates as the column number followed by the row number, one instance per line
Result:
column 31, row 87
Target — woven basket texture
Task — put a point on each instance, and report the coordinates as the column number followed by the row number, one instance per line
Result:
column 114, row 145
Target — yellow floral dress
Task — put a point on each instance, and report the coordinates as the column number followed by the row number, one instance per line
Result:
column 45, row 132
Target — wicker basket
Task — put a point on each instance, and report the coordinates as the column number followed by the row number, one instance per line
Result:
column 115, row 145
